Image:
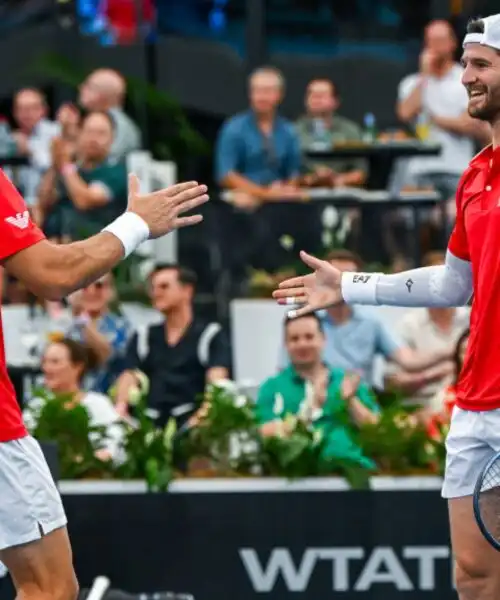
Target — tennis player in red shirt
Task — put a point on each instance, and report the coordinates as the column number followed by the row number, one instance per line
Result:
column 472, row 268
column 34, row 542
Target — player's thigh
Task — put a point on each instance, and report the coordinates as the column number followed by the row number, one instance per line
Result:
column 32, row 520
column 43, row 568
column 475, row 558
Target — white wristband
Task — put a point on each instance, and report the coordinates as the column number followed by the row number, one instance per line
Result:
column 360, row 288
column 130, row 229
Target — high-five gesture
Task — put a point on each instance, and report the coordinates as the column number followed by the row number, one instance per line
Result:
column 161, row 210
column 315, row 291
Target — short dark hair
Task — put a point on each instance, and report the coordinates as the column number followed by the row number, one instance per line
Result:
column 312, row 315
column 475, row 25
column 185, row 275
column 103, row 113
column 345, row 255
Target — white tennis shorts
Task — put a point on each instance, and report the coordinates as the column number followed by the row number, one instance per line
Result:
column 474, row 437
column 30, row 504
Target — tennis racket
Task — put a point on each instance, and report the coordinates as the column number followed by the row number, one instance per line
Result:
column 486, row 501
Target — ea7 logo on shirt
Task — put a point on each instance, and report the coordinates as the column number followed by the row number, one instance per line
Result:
column 21, row 220
column 361, row 278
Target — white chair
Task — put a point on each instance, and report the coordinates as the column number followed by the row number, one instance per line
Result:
column 155, row 175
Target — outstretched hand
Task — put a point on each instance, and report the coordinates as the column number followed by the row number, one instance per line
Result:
column 320, row 289
column 161, row 210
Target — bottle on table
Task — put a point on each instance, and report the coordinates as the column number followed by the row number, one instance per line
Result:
column 320, row 135
column 370, row 128
column 422, row 128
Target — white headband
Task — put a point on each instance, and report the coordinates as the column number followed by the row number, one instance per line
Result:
column 491, row 35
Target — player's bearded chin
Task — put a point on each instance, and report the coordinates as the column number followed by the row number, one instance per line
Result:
column 488, row 106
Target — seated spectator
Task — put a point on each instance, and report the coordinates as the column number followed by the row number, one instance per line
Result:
column 178, row 356
column 316, row 393
column 79, row 199
column 427, row 331
column 442, row 404
column 32, row 138
column 322, row 125
column 106, row 333
column 355, row 336
column 258, row 164
column 64, row 365
column 445, row 398
column 104, row 90
column 258, row 154
column 435, row 101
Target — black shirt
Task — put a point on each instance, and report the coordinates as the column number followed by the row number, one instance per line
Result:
column 177, row 373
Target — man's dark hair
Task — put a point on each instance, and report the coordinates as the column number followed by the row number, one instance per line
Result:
column 345, row 255
column 312, row 315
column 104, row 113
column 475, row 25
column 185, row 275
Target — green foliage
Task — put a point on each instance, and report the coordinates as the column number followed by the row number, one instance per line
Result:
column 227, row 437
column 398, row 443
column 60, row 420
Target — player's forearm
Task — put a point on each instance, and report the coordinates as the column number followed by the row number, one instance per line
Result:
column 441, row 286
column 61, row 269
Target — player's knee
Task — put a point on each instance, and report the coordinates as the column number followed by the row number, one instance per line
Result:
column 60, row 588
column 471, row 575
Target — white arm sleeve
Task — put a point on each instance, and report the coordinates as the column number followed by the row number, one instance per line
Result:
column 440, row 286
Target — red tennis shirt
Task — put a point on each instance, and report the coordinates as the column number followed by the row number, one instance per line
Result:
column 17, row 232
column 476, row 238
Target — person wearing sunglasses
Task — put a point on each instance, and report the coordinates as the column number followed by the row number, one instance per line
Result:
column 102, row 330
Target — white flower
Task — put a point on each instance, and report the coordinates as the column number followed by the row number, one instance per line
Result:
column 225, row 385
column 240, row 401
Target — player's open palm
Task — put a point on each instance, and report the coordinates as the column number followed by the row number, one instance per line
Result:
column 315, row 291
column 162, row 210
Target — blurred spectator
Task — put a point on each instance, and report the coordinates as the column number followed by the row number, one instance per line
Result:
column 104, row 91
column 106, row 333
column 316, row 393
column 258, row 163
column 14, row 291
column 427, row 331
column 258, row 153
column 78, row 200
column 355, row 336
column 322, row 126
column 32, row 138
column 178, row 356
column 441, row 406
column 435, row 101
column 64, row 364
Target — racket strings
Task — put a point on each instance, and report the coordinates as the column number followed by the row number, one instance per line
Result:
column 489, row 500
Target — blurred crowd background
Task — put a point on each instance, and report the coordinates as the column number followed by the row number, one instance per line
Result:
column 304, row 146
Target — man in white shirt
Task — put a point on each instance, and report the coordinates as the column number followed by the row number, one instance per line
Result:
column 33, row 138
column 435, row 101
